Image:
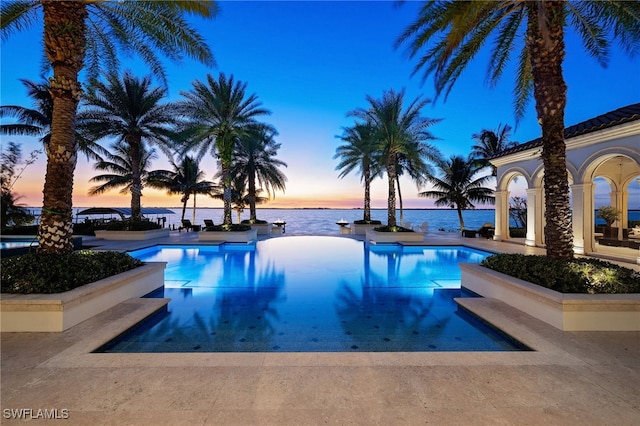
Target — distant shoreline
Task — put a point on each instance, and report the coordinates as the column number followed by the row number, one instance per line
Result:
column 283, row 208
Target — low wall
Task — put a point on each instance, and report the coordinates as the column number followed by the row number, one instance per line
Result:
column 132, row 235
column 393, row 237
column 60, row 311
column 229, row 236
column 262, row 228
column 361, row 229
column 565, row 311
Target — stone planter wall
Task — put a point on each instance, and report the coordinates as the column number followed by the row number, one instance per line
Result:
column 60, row 311
column 262, row 228
column 229, row 236
column 361, row 229
column 393, row 237
column 565, row 311
column 133, row 235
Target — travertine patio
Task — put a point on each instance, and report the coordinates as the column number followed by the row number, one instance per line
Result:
column 570, row 378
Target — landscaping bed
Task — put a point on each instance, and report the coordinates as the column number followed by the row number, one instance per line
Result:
column 608, row 300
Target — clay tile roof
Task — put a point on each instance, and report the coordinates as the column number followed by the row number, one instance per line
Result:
column 610, row 119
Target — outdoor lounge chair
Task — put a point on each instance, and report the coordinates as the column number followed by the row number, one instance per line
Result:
column 423, row 228
column 208, row 223
column 186, row 224
column 485, row 231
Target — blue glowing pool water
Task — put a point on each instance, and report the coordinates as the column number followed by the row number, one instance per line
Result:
column 12, row 244
column 311, row 294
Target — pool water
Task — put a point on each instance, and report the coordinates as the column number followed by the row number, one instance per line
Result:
column 311, row 294
column 12, row 244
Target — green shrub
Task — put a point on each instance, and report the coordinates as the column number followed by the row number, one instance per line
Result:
column 55, row 273
column 132, row 225
column 517, row 232
column 254, row 222
column 387, row 228
column 21, row 230
column 228, row 228
column 367, row 222
column 608, row 214
column 576, row 276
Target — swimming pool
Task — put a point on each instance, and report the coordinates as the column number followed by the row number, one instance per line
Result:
column 12, row 244
column 311, row 294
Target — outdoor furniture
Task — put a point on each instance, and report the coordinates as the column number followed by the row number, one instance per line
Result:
column 208, row 223
column 487, row 230
column 423, row 228
column 344, row 229
column 281, row 224
column 186, row 224
column 612, row 242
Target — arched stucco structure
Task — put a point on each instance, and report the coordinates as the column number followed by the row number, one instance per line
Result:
column 607, row 146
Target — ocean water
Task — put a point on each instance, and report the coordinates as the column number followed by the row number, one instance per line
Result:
column 323, row 221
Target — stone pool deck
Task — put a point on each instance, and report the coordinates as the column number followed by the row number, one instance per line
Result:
column 571, row 378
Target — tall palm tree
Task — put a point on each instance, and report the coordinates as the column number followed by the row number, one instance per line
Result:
column 459, row 185
column 119, row 173
column 240, row 197
column 11, row 168
column 36, row 121
column 489, row 143
column 416, row 170
column 255, row 157
column 222, row 115
column 399, row 131
column 360, row 152
column 130, row 110
column 447, row 35
column 187, row 179
column 79, row 30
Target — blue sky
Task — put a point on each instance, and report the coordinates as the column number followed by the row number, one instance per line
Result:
column 312, row 62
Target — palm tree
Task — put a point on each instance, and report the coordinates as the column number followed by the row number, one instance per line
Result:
column 130, row 110
column 459, row 187
column 255, row 157
column 119, row 169
column 240, row 197
column 489, row 143
column 187, row 179
column 448, row 34
column 146, row 27
column 399, row 132
column 37, row 121
column 360, row 151
column 222, row 115
column 415, row 170
column 10, row 160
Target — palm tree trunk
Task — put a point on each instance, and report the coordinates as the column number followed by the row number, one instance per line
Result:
column 546, row 43
column 184, row 200
column 135, row 145
column 193, row 221
column 391, row 199
column 367, row 194
column 226, row 182
column 400, row 200
column 252, row 195
column 460, row 218
column 64, row 42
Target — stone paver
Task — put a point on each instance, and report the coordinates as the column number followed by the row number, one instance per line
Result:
column 586, row 378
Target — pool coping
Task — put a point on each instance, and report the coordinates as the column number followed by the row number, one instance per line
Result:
column 493, row 311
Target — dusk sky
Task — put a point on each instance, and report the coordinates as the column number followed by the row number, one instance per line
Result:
column 310, row 63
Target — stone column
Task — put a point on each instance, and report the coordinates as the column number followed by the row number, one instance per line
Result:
column 502, row 216
column 582, row 217
column 532, row 194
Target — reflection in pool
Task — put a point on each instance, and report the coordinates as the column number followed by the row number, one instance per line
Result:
column 308, row 294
